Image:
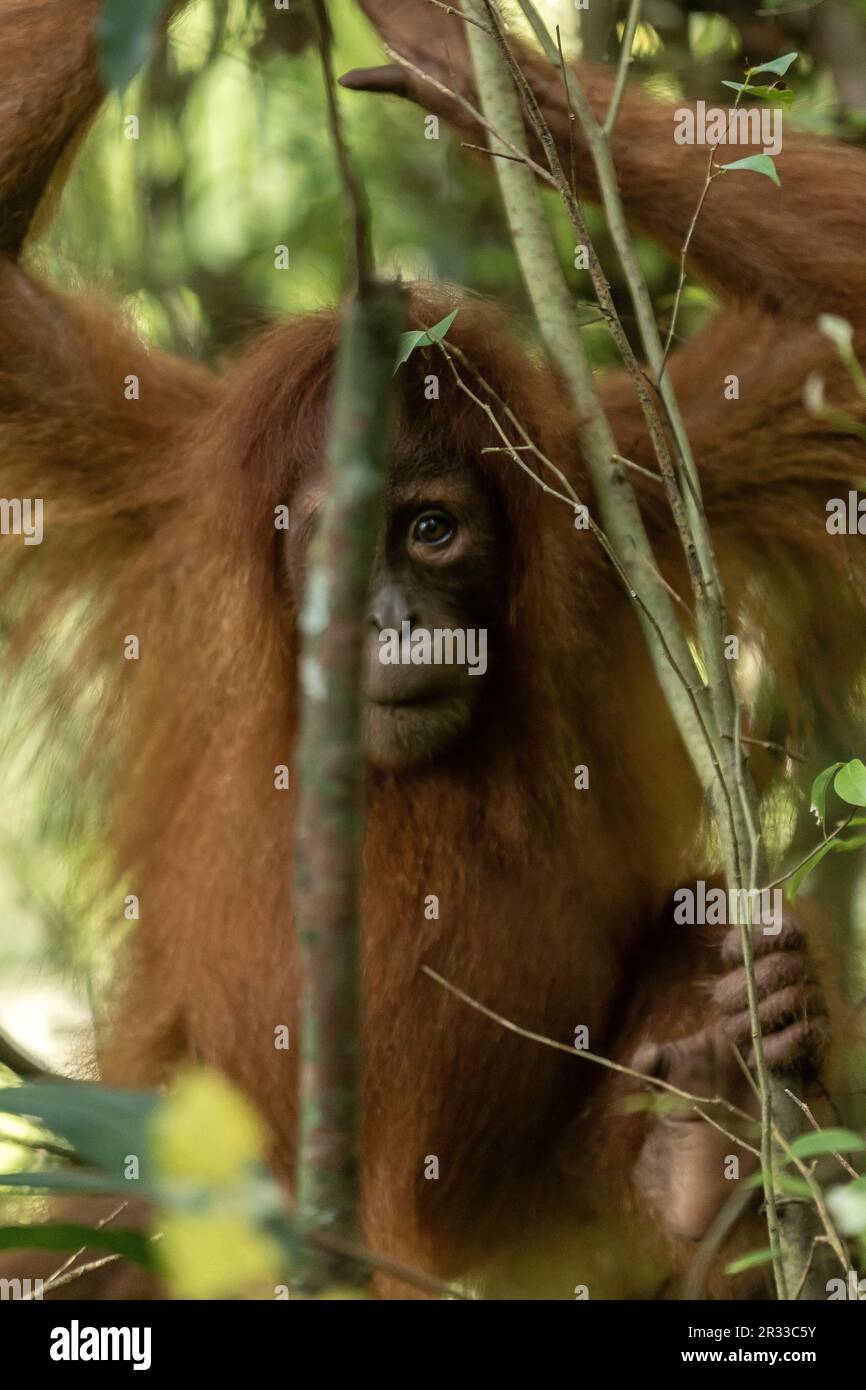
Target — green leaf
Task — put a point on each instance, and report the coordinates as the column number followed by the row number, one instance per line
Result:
column 850, row 783
column 127, row 34
column 70, row 1235
column 756, row 1257
column 777, row 65
column 103, row 1126
column 847, row 1204
column 791, row 1184
column 782, row 96
column 818, row 795
column 827, row 1141
column 422, row 337
column 779, row 96
column 795, row 882
column 757, row 164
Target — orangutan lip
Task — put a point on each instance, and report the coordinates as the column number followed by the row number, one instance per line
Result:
column 408, row 702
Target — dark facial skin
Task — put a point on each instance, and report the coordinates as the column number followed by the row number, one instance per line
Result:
column 437, row 567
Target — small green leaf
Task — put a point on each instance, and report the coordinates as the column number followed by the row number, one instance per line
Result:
column 757, row 164
column 438, row 331
column 781, row 95
column 827, row 1141
column 778, row 95
column 850, row 783
column 777, row 65
column 422, row 337
column 750, row 1261
column 818, row 794
column 72, row 1236
column 127, row 35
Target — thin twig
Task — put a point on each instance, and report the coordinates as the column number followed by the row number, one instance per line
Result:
column 772, row 747
column 571, row 1051
column 639, row 468
column 816, row 1241
column 734, row 1138
column 352, row 187
column 521, row 156
column 574, row 501
column 684, row 251
column 622, row 67
column 458, row 14
column 335, row 1245
column 70, row 1260
column 840, row 1158
column 326, row 1241
column 496, row 154
column 826, row 841
column 77, row 1273
column 571, row 116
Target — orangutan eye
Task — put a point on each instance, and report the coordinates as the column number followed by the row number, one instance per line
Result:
column 433, row 528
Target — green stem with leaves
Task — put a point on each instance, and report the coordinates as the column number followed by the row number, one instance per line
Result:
column 706, row 713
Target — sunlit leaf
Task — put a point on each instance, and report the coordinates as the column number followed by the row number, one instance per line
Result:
column 850, row 783
column 777, row 65
column 756, row 164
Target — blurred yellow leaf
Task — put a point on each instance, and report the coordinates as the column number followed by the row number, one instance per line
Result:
column 207, row 1131
column 215, row 1254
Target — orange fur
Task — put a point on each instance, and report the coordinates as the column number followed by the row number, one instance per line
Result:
column 159, row 513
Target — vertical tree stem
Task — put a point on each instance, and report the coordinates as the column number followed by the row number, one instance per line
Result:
column 330, row 825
